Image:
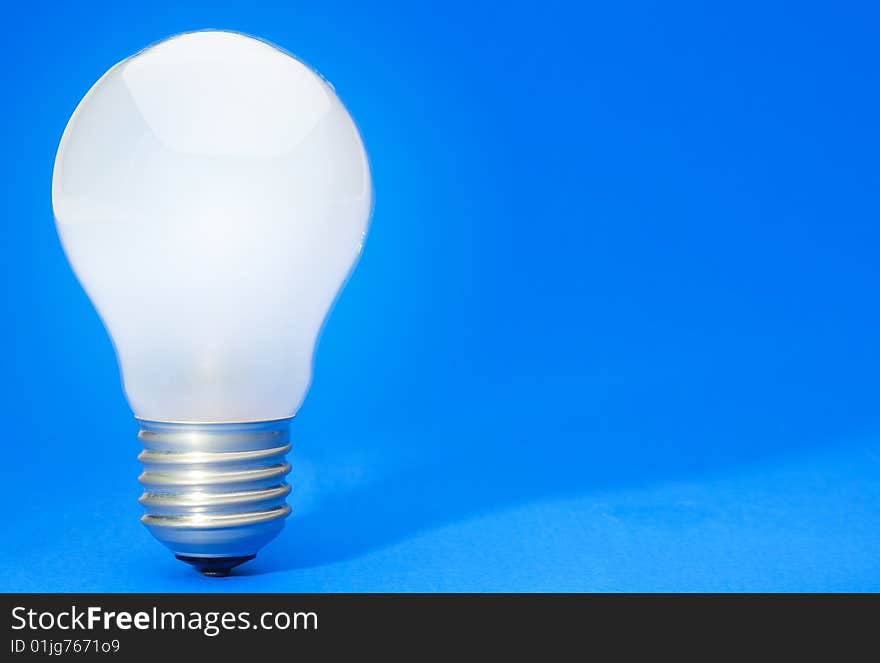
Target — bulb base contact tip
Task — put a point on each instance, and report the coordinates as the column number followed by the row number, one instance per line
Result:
column 215, row 493
column 215, row 567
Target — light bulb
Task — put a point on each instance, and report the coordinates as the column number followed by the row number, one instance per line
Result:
column 212, row 194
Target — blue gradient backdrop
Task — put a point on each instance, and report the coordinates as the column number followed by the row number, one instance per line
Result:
column 615, row 327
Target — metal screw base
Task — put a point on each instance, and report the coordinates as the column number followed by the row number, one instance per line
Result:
column 215, row 493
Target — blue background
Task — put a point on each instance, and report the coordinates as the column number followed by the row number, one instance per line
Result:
column 615, row 327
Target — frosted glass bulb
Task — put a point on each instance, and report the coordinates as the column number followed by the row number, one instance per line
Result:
column 212, row 194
